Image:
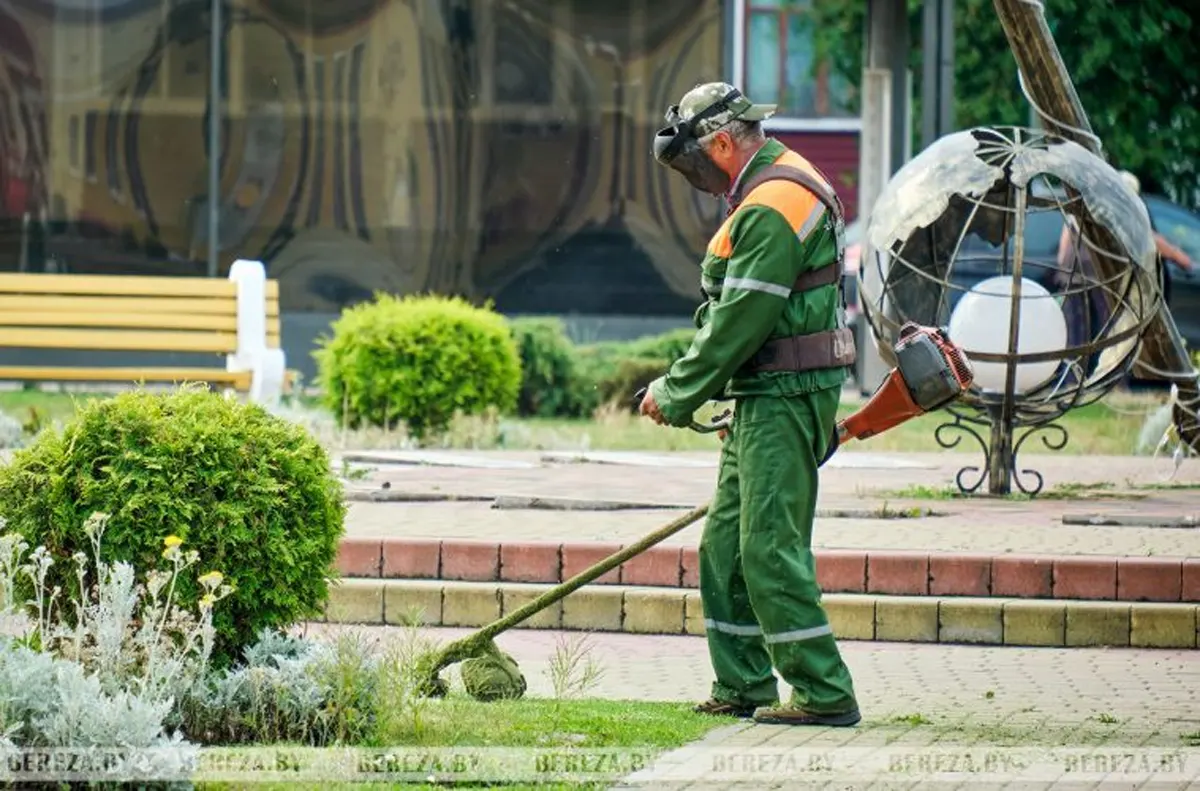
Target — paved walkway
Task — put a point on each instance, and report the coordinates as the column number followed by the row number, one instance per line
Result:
column 913, row 696
column 854, row 494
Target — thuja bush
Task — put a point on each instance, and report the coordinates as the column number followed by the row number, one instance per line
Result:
column 552, row 384
column 416, row 362
column 252, row 493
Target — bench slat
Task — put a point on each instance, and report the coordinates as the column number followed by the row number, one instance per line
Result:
column 140, row 321
column 126, row 285
column 149, row 321
column 29, row 373
column 117, row 340
column 36, row 303
column 117, row 285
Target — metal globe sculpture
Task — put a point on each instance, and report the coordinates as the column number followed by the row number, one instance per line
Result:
column 994, row 233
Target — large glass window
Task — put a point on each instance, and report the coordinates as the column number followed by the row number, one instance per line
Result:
column 498, row 149
column 780, row 64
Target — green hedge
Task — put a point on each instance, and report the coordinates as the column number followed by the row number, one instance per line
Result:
column 552, row 383
column 599, row 374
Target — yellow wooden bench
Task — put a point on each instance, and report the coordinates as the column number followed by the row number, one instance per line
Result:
column 234, row 319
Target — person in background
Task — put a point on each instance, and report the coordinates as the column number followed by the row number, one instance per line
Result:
column 1166, row 250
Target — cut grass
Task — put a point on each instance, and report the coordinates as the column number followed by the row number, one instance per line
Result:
column 458, row 721
column 1097, row 429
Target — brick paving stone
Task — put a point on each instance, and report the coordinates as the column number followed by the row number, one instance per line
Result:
column 905, row 573
column 1017, row 576
column 970, row 526
column 1191, row 580
column 1142, row 579
column 960, row 575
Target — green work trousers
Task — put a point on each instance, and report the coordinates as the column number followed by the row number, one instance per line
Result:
column 758, row 582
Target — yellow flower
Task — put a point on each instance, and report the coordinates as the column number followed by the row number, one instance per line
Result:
column 212, row 579
column 207, row 601
column 171, row 542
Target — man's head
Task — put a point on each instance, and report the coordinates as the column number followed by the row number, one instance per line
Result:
column 714, row 132
column 1132, row 182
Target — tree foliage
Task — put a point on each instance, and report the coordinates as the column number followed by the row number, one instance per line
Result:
column 1134, row 66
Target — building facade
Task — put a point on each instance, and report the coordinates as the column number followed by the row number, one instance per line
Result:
column 497, row 149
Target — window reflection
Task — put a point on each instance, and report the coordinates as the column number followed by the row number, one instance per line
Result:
column 493, row 148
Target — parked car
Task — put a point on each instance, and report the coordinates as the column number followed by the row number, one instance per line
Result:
column 1180, row 227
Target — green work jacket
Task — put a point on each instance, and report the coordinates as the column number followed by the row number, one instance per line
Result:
column 778, row 232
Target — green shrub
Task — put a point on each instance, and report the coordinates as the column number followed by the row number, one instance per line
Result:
column 626, row 378
column 669, row 346
column 618, row 369
column 251, row 493
column 417, row 361
column 551, row 383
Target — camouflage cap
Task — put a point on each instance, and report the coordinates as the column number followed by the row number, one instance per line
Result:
column 702, row 97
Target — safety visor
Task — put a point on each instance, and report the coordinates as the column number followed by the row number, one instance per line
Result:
column 673, row 140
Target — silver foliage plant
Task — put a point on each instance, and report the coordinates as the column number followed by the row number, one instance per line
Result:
column 113, row 673
column 123, row 665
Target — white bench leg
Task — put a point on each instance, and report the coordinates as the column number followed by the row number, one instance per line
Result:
column 267, row 385
column 267, row 366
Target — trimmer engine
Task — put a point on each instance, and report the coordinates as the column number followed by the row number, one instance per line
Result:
column 930, row 373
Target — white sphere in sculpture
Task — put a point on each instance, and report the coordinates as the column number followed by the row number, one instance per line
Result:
column 980, row 325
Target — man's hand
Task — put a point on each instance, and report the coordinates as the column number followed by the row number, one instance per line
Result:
column 649, row 407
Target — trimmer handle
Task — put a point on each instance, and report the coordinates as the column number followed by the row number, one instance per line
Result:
column 718, row 423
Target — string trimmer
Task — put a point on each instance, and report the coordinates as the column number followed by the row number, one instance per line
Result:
column 930, row 373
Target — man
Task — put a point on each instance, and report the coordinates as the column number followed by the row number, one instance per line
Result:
column 1166, row 250
column 771, row 337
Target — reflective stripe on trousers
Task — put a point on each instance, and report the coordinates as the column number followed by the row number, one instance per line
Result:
column 793, row 636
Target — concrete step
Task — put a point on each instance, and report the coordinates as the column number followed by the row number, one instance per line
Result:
column 660, row 610
column 890, row 573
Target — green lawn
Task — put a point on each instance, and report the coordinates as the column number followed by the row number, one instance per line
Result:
column 458, row 721
column 1110, row 427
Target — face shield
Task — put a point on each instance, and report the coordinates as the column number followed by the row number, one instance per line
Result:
column 678, row 147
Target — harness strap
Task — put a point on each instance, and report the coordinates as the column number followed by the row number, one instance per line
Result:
column 827, row 349
column 831, row 273
column 818, row 350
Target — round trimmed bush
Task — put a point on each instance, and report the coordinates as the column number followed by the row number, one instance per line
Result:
column 418, row 360
column 551, row 383
column 253, row 494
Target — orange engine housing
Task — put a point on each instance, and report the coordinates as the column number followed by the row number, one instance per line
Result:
column 930, row 372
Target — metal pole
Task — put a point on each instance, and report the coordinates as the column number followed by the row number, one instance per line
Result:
column 214, row 139
column 882, row 145
column 937, row 93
